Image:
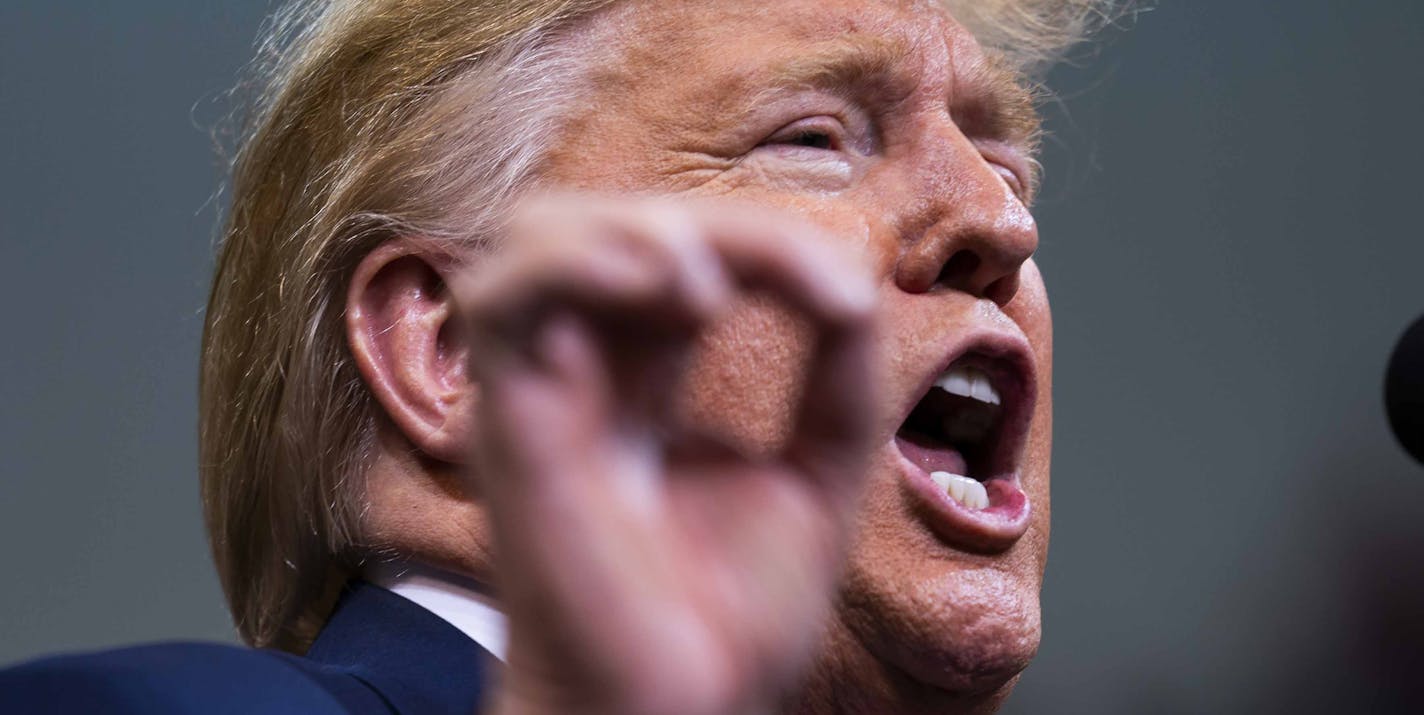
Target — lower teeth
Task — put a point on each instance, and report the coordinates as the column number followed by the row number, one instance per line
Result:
column 962, row 489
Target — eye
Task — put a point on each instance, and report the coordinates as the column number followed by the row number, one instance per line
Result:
column 817, row 133
column 1011, row 178
column 812, row 139
column 1014, row 164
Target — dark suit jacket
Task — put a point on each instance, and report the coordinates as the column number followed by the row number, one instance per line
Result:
column 378, row 654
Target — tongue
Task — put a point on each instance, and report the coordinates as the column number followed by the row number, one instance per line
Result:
column 931, row 456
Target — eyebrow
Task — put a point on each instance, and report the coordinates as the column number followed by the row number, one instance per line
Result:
column 1002, row 104
column 994, row 100
column 989, row 101
column 852, row 60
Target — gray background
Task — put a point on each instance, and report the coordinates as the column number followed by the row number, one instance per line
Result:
column 1229, row 235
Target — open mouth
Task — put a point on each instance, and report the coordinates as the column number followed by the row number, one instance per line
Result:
column 964, row 440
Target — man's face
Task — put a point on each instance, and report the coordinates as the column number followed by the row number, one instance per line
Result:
column 883, row 123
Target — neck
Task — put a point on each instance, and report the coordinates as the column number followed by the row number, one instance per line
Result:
column 425, row 510
column 462, row 602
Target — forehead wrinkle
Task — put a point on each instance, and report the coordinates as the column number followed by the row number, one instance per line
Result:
column 843, row 65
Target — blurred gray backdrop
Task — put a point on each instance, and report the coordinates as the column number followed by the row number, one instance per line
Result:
column 1230, row 234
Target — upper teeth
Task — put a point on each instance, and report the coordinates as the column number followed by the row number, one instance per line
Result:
column 969, row 382
column 962, row 489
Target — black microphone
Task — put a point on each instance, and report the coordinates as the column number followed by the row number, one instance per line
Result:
column 1404, row 390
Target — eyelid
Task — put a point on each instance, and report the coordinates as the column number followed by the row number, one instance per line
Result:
column 1016, row 183
column 1019, row 182
column 824, row 123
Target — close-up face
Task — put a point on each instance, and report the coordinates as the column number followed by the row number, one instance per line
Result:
column 887, row 126
column 696, row 356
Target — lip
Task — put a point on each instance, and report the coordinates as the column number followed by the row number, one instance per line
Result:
column 1009, row 360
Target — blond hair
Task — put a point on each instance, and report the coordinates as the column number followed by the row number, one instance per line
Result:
column 370, row 119
column 1032, row 34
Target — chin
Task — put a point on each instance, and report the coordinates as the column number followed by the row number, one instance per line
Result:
column 964, row 629
column 923, row 627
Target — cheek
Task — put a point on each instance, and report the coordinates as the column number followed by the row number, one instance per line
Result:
column 780, row 175
column 1031, row 311
column 744, row 377
column 845, row 218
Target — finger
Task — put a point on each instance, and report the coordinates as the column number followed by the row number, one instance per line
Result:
column 560, row 420
column 511, row 297
column 790, row 259
column 836, row 420
column 677, row 241
column 574, row 494
column 567, row 532
column 640, row 271
column 542, row 420
column 666, row 237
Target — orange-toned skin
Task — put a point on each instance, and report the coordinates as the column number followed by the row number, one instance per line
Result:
column 914, row 165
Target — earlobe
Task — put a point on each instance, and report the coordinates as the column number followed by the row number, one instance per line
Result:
column 403, row 335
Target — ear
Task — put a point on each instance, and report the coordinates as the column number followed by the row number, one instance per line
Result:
column 405, row 339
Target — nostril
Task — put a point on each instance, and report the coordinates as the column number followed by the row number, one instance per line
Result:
column 965, row 271
column 958, row 272
column 1003, row 290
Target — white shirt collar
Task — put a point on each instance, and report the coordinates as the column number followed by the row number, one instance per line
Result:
column 457, row 600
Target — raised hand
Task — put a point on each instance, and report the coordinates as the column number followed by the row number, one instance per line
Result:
column 645, row 568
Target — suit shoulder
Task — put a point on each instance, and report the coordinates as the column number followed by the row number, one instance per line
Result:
column 182, row 678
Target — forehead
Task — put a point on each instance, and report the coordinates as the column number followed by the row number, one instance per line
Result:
column 747, row 23
column 673, row 52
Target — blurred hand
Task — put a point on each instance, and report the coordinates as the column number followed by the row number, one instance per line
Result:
column 644, row 568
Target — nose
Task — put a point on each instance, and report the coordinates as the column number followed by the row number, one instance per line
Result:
column 967, row 230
